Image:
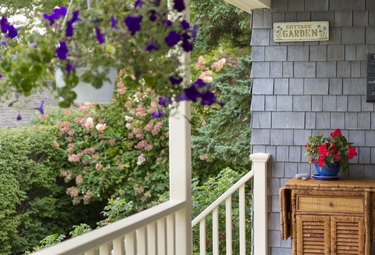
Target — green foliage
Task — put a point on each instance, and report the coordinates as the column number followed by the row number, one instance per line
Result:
column 221, row 135
column 80, row 229
column 207, row 193
column 219, row 22
column 33, row 202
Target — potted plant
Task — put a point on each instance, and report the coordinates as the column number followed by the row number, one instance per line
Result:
column 329, row 154
column 137, row 37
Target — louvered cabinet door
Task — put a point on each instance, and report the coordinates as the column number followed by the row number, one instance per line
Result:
column 347, row 235
column 313, row 235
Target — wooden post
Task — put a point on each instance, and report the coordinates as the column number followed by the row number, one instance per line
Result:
column 259, row 166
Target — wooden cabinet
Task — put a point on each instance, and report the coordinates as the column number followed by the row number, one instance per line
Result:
column 328, row 217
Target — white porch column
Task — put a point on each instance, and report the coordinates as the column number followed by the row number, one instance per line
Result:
column 180, row 161
column 259, row 166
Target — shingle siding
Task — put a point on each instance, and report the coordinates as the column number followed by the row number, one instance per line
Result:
column 307, row 88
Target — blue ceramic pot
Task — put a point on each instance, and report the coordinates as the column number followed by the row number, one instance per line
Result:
column 332, row 169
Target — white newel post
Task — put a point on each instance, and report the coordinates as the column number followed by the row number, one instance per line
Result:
column 259, row 166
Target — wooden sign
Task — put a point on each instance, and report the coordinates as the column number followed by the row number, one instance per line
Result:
column 301, row 31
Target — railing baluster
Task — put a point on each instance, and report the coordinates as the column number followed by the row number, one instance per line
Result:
column 90, row 252
column 130, row 243
column 161, row 236
column 202, row 236
column 215, row 231
column 118, row 246
column 141, row 241
column 104, row 249
column 242, row 220
column 151, row 239
column 228, row 225
column 170, row 235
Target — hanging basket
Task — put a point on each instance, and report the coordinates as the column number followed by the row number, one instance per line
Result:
column 86, row 92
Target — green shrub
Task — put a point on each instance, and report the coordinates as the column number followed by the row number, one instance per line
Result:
column 33, row 202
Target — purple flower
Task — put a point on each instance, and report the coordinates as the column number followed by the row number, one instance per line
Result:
column 12, row 32
column 157, row 115
column 191, row 94
column 167, row 23
column 1, row 76
column 153, row 16
column 179, row 5
column 4, row 43
column 113, row 23
column 200, row 83
column 4, row 24
column 41, row 108
column 208, row 98
column 186, row 45
column 69, row 68
column 138, row 3
column 19, row 117
column 62, row 51
column 56, row 15
column 172, row 38
column 175, row 80
column 69, row 26
column 61, row 12
column 157, row 2
column 152, row 46
column 75, row 17
column 99, row 36
column 133, row 24
column 185, row 25
column 164, row 101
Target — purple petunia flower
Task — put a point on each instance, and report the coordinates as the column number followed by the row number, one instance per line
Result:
column 69, row 26
column 69, row 68
column 185, row 25
column 62, row 51
column 41, row 108
column 157, row 115
column 1, row 76
column 191, row 94
column 167, row 23
column 200, row 83
column 175, row 80
column 179, row 5
column 133, row 24
column 172, row 38
column 113, row 22
column 4, row 43
column 138, row 3
column 12, row 32
column 164, row 101
column 186, row 45
column 153, row 16
column 99, row 36
column 157, row 2
column 208, row 98
column 152, row 47
column 19, row 117
column 4, row 24
column 56, row 15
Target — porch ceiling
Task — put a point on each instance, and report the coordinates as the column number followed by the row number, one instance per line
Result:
column 248, row 5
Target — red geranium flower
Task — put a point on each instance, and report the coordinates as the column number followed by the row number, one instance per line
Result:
column 352, row 152
column 336, row 133
column 321, row 161
column 337, row 157
column 322, row 151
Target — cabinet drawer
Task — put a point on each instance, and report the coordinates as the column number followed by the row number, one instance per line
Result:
column 330, row 204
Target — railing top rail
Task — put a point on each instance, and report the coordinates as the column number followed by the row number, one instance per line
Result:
column 223, row 197
column 93, row 239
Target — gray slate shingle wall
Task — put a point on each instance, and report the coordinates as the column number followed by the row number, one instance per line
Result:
column 302, row 89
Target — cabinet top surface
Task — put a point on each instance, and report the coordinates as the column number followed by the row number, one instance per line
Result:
column 344, row 184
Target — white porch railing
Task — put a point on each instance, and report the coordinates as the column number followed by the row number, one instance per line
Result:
column 259, row 173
